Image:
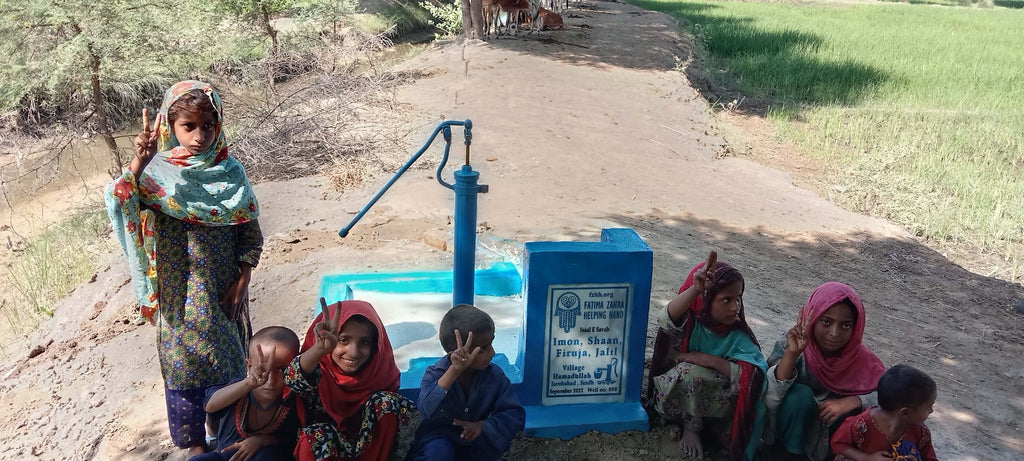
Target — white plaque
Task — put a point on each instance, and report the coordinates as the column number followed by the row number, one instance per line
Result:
column 587, row 338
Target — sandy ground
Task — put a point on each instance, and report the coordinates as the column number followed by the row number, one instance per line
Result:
column 575, row 130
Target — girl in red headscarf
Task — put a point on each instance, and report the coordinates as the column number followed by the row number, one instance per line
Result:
column 707, row 367
column 347, row 380
column 821, row 372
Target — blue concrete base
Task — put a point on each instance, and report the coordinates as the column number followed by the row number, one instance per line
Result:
column 568, row 421
column 411, row 379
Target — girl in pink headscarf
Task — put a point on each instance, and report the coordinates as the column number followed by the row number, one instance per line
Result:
column 821, row 372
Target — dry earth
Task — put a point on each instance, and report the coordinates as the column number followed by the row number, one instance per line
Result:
column 575, row 130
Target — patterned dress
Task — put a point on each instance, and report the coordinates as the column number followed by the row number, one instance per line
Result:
column 861, row 433
column 365, row 435
column 198, row 345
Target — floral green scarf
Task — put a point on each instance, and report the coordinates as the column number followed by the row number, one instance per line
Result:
column 209, row 189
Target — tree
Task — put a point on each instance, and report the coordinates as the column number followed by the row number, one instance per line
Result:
column 67, row 58
column 472, row 19
column 260, row 13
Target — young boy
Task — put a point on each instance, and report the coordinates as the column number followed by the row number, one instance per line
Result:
column 469, row 409
column 256, row 420
column 895, row 428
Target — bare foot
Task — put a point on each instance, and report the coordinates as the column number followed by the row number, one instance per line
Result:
column 690, row 444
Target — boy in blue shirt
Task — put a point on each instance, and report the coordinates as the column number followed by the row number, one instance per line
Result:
column 469, row 409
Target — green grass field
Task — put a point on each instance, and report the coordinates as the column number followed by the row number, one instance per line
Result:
column 919, row 108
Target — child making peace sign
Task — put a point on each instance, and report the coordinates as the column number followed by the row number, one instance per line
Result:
column 185, row 215
column 347, row 380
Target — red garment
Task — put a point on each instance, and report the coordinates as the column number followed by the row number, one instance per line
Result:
column 861, row 433
column 387, row 431
column 343, row 395
column 855, row 370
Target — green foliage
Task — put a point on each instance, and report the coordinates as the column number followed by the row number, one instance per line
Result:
column 408, row 18
column 253, row 10
column 50, row 48
column 53, row 47
column 918, row 108
column 447, row 17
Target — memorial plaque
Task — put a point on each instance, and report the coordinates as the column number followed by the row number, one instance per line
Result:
column 586, row 348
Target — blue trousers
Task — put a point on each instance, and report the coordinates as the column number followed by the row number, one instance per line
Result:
column 269, row 453
column 444, row 448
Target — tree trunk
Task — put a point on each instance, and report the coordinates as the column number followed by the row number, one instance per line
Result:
column 101, row 109
column 472, row 19
column 270, row 29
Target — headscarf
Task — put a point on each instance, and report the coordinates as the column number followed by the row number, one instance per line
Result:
column 855, row 370
column 736, row 343
column 209, row 189
column 702, row 308
column 344, row 395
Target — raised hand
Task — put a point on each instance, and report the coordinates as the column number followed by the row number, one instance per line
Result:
column 796, row 337
column 702, row 279
column 145, row 142
column 326, row 331
column 259, row 367
column 462, row 357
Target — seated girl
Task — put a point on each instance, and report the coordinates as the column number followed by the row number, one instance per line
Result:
column 347, row 380
column 707, row 365
column 821, row 372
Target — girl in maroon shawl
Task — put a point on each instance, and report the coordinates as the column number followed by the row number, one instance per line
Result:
column 707, row 365
column 821, row 372
column 347, row 380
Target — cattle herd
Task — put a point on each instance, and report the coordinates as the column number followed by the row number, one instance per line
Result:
column 539, row 14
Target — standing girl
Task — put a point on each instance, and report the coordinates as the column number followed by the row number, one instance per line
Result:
column 707, row 366
column 347, row 382
column 185, row 215
column 821, row 372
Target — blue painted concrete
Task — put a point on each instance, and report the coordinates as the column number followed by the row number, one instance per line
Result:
column 586, row 331
column 568, row 421
column 404, row 333
column 575, row 292
column 501, row 279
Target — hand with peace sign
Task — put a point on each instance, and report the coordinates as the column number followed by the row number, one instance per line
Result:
column 145, row 145
column 796, row 337
column 462, row 357
column 259, row 367
column 326, row 331
column 702, row 280
column 326, row 334
column 796, row 343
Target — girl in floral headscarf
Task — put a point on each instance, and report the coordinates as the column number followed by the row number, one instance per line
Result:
column 707, row 367
column 821, row 372
column 185, row 215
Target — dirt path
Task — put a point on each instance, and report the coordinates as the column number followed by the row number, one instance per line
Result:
column 575, row 130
